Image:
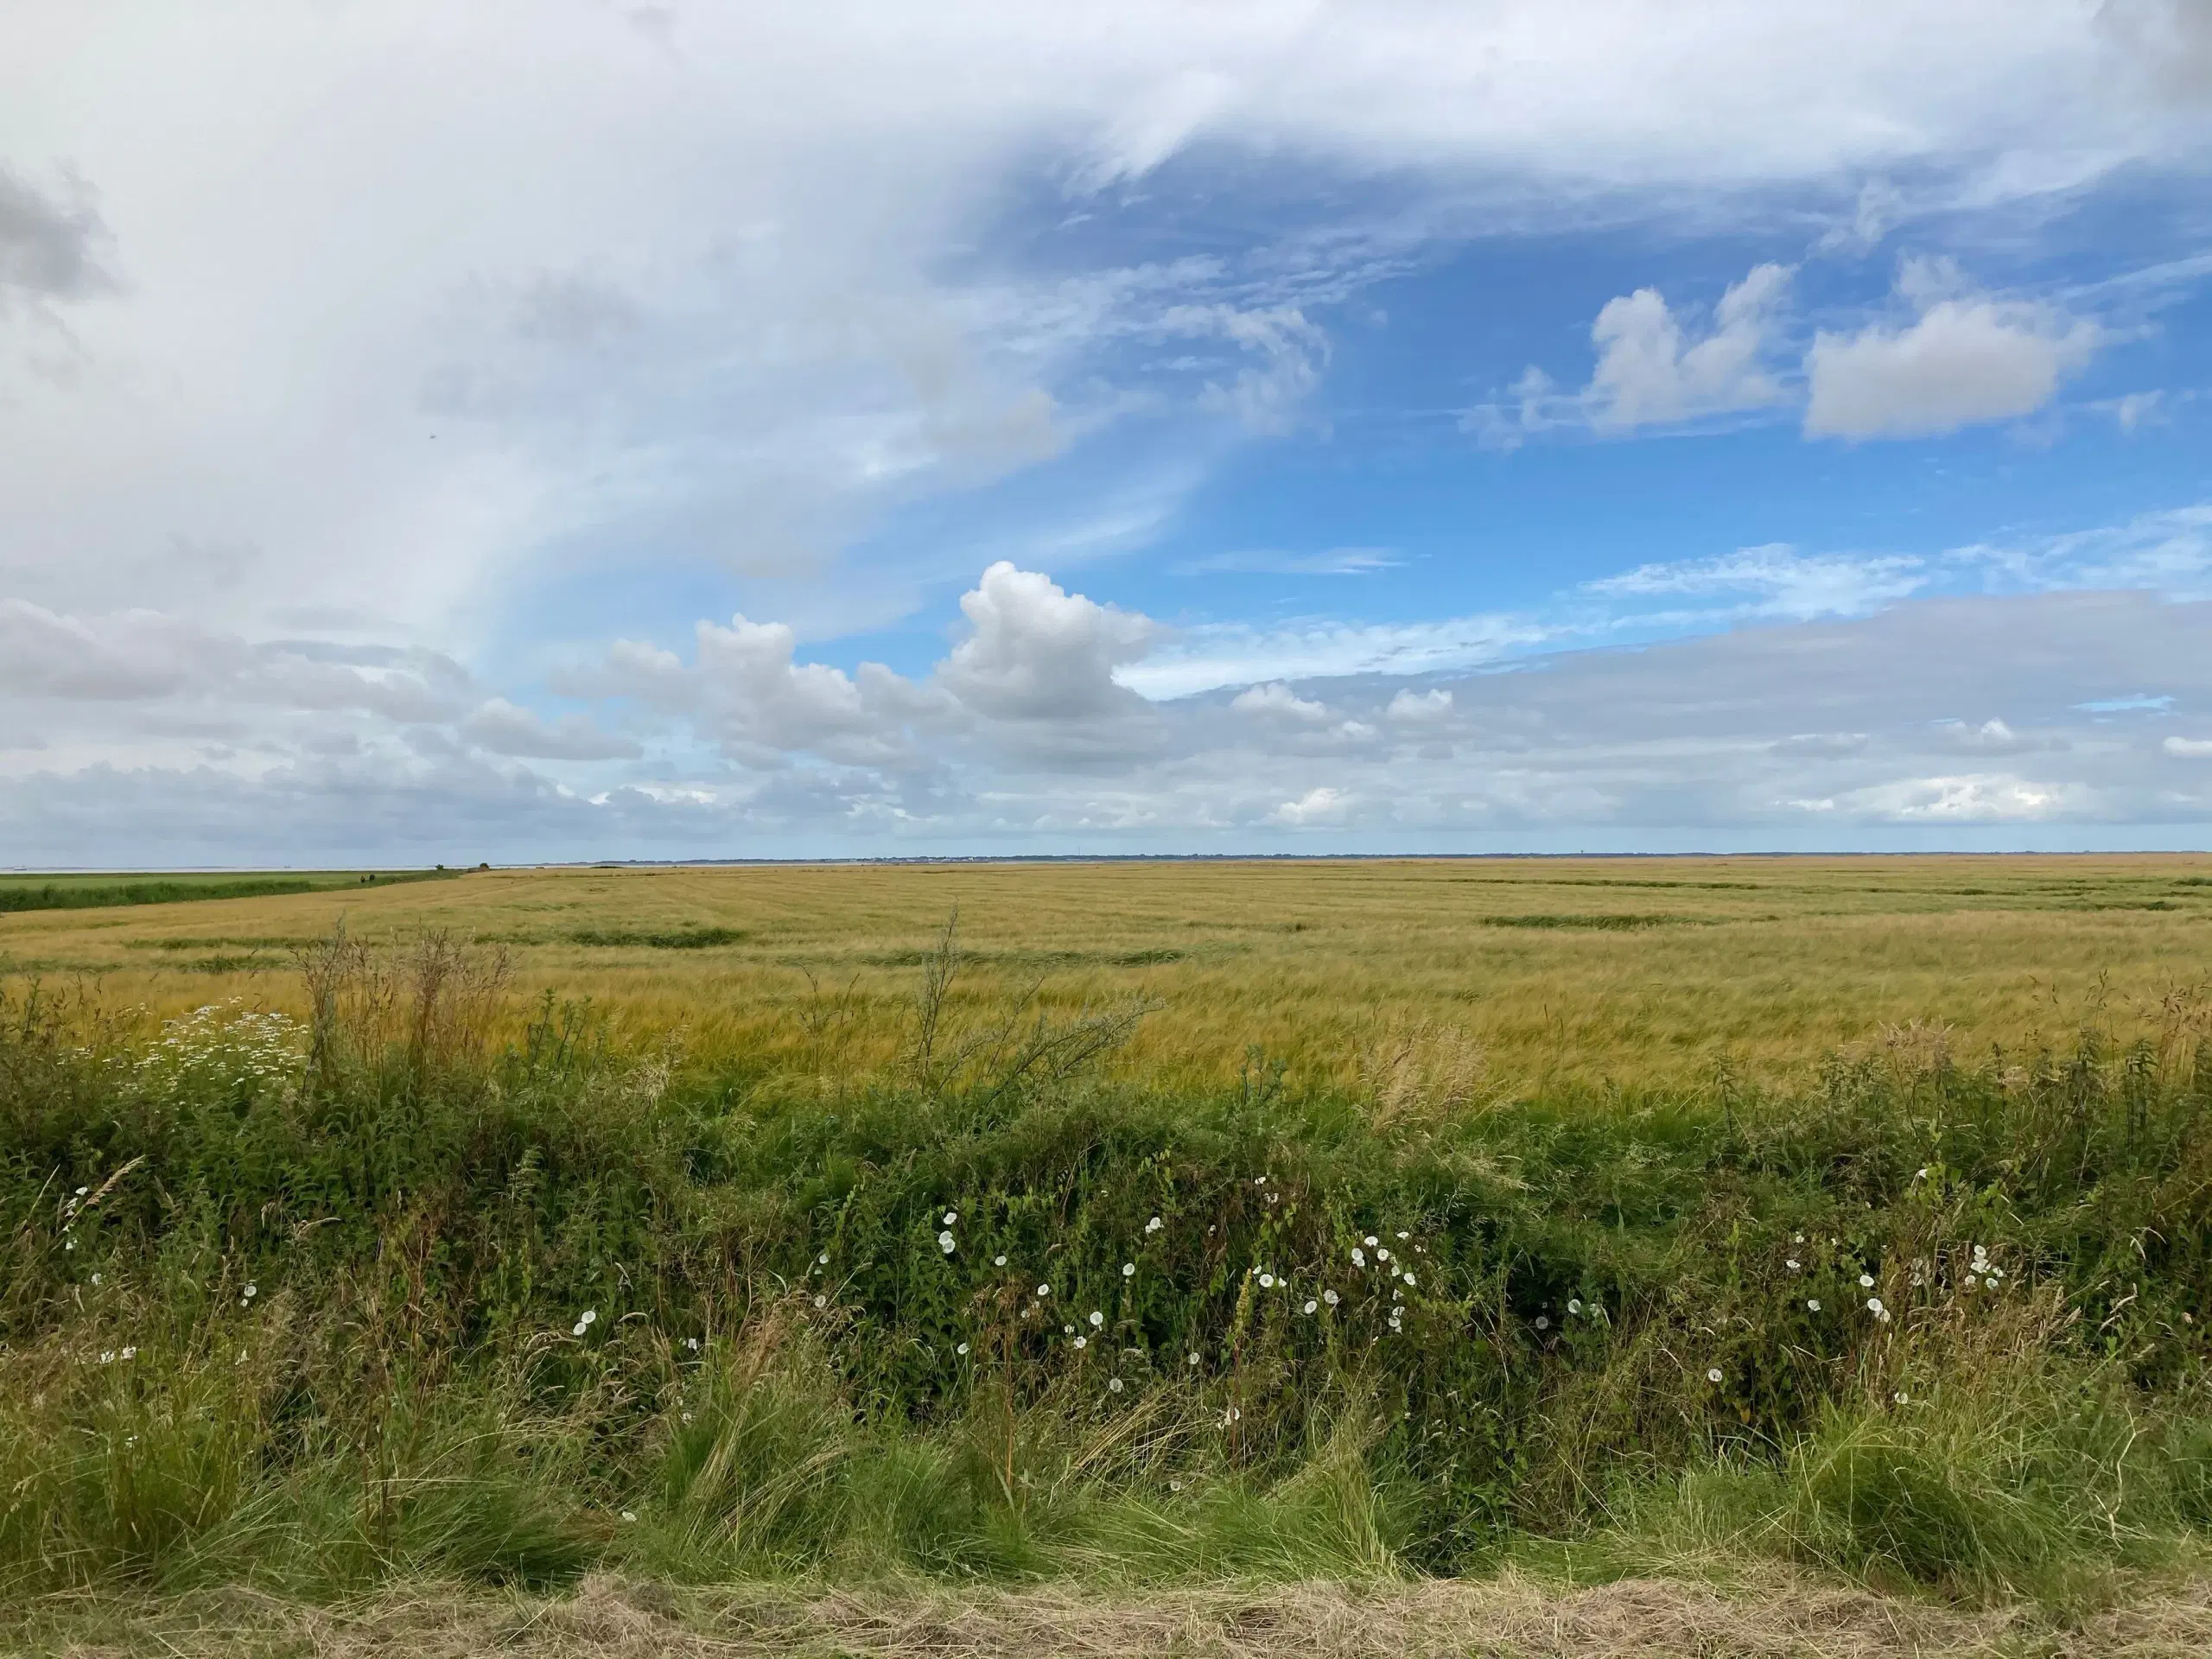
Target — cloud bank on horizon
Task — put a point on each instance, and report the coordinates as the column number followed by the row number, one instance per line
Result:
column 589, row 429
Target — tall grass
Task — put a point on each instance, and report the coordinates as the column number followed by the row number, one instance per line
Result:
column 381, row 1292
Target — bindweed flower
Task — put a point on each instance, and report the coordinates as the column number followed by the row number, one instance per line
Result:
column 951, row 1215
column 1155, row 1224
column 1543, row 1323
column 1190, row 1359
column 1405, row 1234
column 1409, row 1281
column 692, row 1342
column 1067, row 1330
column 1358, row 1256
column 822, row 1259
column 1129, row 1269
column 944, row 1243
column 1330, row 1298
column 1792, row 1263
column 1712, row 1376
column 1083, row 1342
column 1866, row 1282
column 1114, row 1383
column 1874, row 1306
column 1902, row 1397
column 822, row 1301
column 1369, row 1240
column 998, row 1261
column 1814, row 1303
column 252, row 1291
column 1573, row 1305
column 1310, row 1305
column 130, row 1353
column 962, row 1349
column 1266, row 1282
column 1043, row 1291
column 1096, row 1318
column 628, row 1515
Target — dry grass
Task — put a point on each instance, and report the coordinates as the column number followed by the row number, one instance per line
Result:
column 1505, row 972
column 1507, row 1616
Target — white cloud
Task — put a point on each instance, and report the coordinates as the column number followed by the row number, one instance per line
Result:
column 1336, row 561
column 1776, row 581
column 1215, row 656
column 1420, row 708
column 503, row 728
column 1039, row 652
column 1971, row 799
column 1322, row 805
column 1968, row 358
column 2190, row 749
column 1278, row 701
column 1648, row 372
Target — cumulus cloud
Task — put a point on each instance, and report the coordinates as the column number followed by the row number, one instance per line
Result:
column 1649, row 371
column 1968, row 358
column 1976, row 797
column 1323, row 804
column 1277, row 701
column 2190, row 749
column 1037, row 652
column 1420, row 708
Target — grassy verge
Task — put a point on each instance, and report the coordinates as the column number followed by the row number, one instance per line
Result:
column 103, row 892
column 372, row 1298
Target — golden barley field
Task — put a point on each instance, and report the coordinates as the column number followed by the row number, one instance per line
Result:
column 1513, row 973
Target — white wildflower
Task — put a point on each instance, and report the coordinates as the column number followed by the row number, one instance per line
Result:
column 1155, row 1224
column 1369, row 1240
column 822, row 1301
column 1129, row 1269
column 1573, row 1305
column 1814, row 1303
column 944, row 1243
column 1543, row 1322
column 1409, row 1281
column 1310, row 1305
column 1083, row 1342
column 1330, row 1298
column 1044, row 1291
column 1866, row 1282
column 1266, row 1282
column 1190, row 1359
column 998, row 1261
column 1096, row 1318
column 962, row 1349
column 1712, row 1376
column 1358, row 1256
column 1114, row 1383
column 951, row 1215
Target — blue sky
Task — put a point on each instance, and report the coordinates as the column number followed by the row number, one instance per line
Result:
column 590, row 429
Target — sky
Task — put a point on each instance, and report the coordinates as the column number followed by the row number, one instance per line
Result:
column 566, row 430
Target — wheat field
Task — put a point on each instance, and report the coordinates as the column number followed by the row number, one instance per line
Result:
column 1513, row 973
